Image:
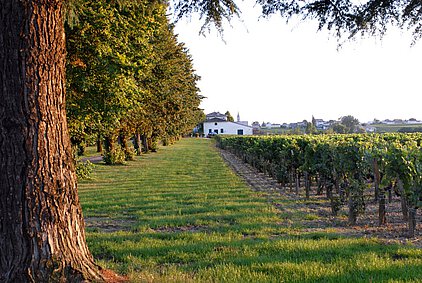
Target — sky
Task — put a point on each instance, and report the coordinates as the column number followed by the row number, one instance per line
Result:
column 267, row 70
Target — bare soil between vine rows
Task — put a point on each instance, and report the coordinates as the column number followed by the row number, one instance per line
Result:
column 315, row 214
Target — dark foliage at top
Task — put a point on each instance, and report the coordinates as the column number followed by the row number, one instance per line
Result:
column 343, row 17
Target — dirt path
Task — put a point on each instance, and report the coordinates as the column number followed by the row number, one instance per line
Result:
column 93, row 159
column 257, row 180
column 394, row 231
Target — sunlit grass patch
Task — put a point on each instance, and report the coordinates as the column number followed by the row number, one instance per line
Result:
column 181, row 215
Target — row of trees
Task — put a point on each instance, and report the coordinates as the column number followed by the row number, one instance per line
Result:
column 127, row 76
column 343, row 166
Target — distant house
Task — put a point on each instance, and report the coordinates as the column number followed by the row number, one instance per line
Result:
column 216, row 123
column 413, row 121
column 400, row 121
column 388, row 122
column 370, row 129
column 272, row 126
column 302, row 124
column 320, row 124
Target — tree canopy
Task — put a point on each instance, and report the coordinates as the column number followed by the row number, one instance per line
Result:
column 128, row 74
column 344, row 17
column 348, row 125
column 229, row 116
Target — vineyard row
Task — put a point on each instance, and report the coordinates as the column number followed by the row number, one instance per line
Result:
column 342, row 166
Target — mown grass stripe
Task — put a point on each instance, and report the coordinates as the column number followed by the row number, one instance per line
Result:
column 188, row 218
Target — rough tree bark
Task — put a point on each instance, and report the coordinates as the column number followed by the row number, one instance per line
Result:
column 145, row 143
column 125, row 147
column 99, row 144
column 42, row 236
column 138, row 144
column 108, row 143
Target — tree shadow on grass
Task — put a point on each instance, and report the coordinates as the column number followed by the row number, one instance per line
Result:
column 287, row 258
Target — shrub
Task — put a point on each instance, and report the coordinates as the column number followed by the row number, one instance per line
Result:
column 129, row 154
column 84, row 169
column 114, row 157
column 153, row 146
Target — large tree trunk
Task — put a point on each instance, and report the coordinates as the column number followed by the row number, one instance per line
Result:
column 145, row 143
column 42, row 234
column 108, row 143
column 137, row 144
column 125, row 147
column 99, row 144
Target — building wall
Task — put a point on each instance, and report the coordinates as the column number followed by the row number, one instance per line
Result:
column 229, row 128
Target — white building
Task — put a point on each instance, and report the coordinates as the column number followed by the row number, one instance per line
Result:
column 370, row 129
column 217, row 123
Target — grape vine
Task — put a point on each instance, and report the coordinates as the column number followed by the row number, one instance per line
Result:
column 347, row 167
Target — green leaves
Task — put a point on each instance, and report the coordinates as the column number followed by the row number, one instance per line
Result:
column 351, row 18
column 128, row 73
column 213, row 12
column 348, row 157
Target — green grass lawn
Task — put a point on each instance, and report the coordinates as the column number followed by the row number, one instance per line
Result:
column 181, row 215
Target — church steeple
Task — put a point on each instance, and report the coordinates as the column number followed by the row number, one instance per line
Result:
column 238, row 117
